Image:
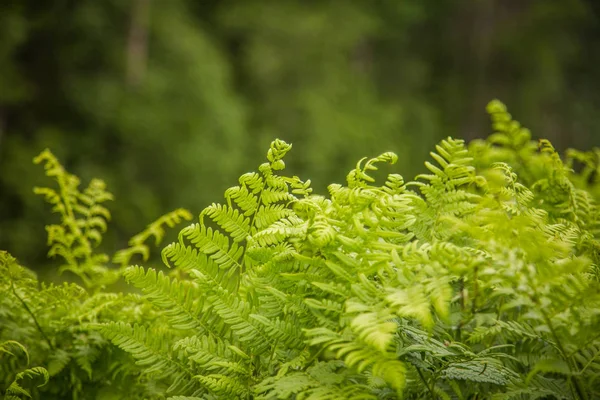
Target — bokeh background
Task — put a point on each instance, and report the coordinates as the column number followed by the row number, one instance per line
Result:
column 169, row 101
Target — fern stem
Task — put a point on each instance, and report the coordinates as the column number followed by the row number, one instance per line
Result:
column 273, row 352
column 35, row 321
column 242, row 263
column 430, row 390
column 314, row 357
column 461, row 285
column 475, row 292
column 64, row 197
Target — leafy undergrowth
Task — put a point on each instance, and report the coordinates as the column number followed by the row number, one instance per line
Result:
column 478, row 280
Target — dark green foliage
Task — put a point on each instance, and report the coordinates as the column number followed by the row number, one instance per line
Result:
column 479, row 280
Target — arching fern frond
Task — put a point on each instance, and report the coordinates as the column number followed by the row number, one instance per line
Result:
column 152, row 351
column 214, row 244
column 359, row 177
column 37, row 374
column 137, row 244
column 184, row 307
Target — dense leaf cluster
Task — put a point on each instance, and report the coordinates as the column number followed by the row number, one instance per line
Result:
column 478, row 280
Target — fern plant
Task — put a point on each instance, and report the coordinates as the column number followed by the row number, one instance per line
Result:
column 477, row 280
column 47, row 349
column 83, row 221
column 479, row 283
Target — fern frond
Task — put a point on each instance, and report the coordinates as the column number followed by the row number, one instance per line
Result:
column 150, row 348
column 13, row 348
column 283, row 331
column 223, row 386
column 36, row 373
column 229, row 219
column 488, row 370
column 285, row 387
column 214, row 244
column 83, row 222
column 325, row 380
column 359, row 176
column 58, row 360
column 214, row 355
column 456, row 169
column 137, row 245
column 198, row 264
column 538, row 388
column 182, row 301
column 277, row 232
column 236, row 314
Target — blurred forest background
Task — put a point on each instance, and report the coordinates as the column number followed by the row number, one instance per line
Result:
column 169, row 101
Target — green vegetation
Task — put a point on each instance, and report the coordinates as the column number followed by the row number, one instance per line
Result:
column 478, row 280
column 170, row 101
